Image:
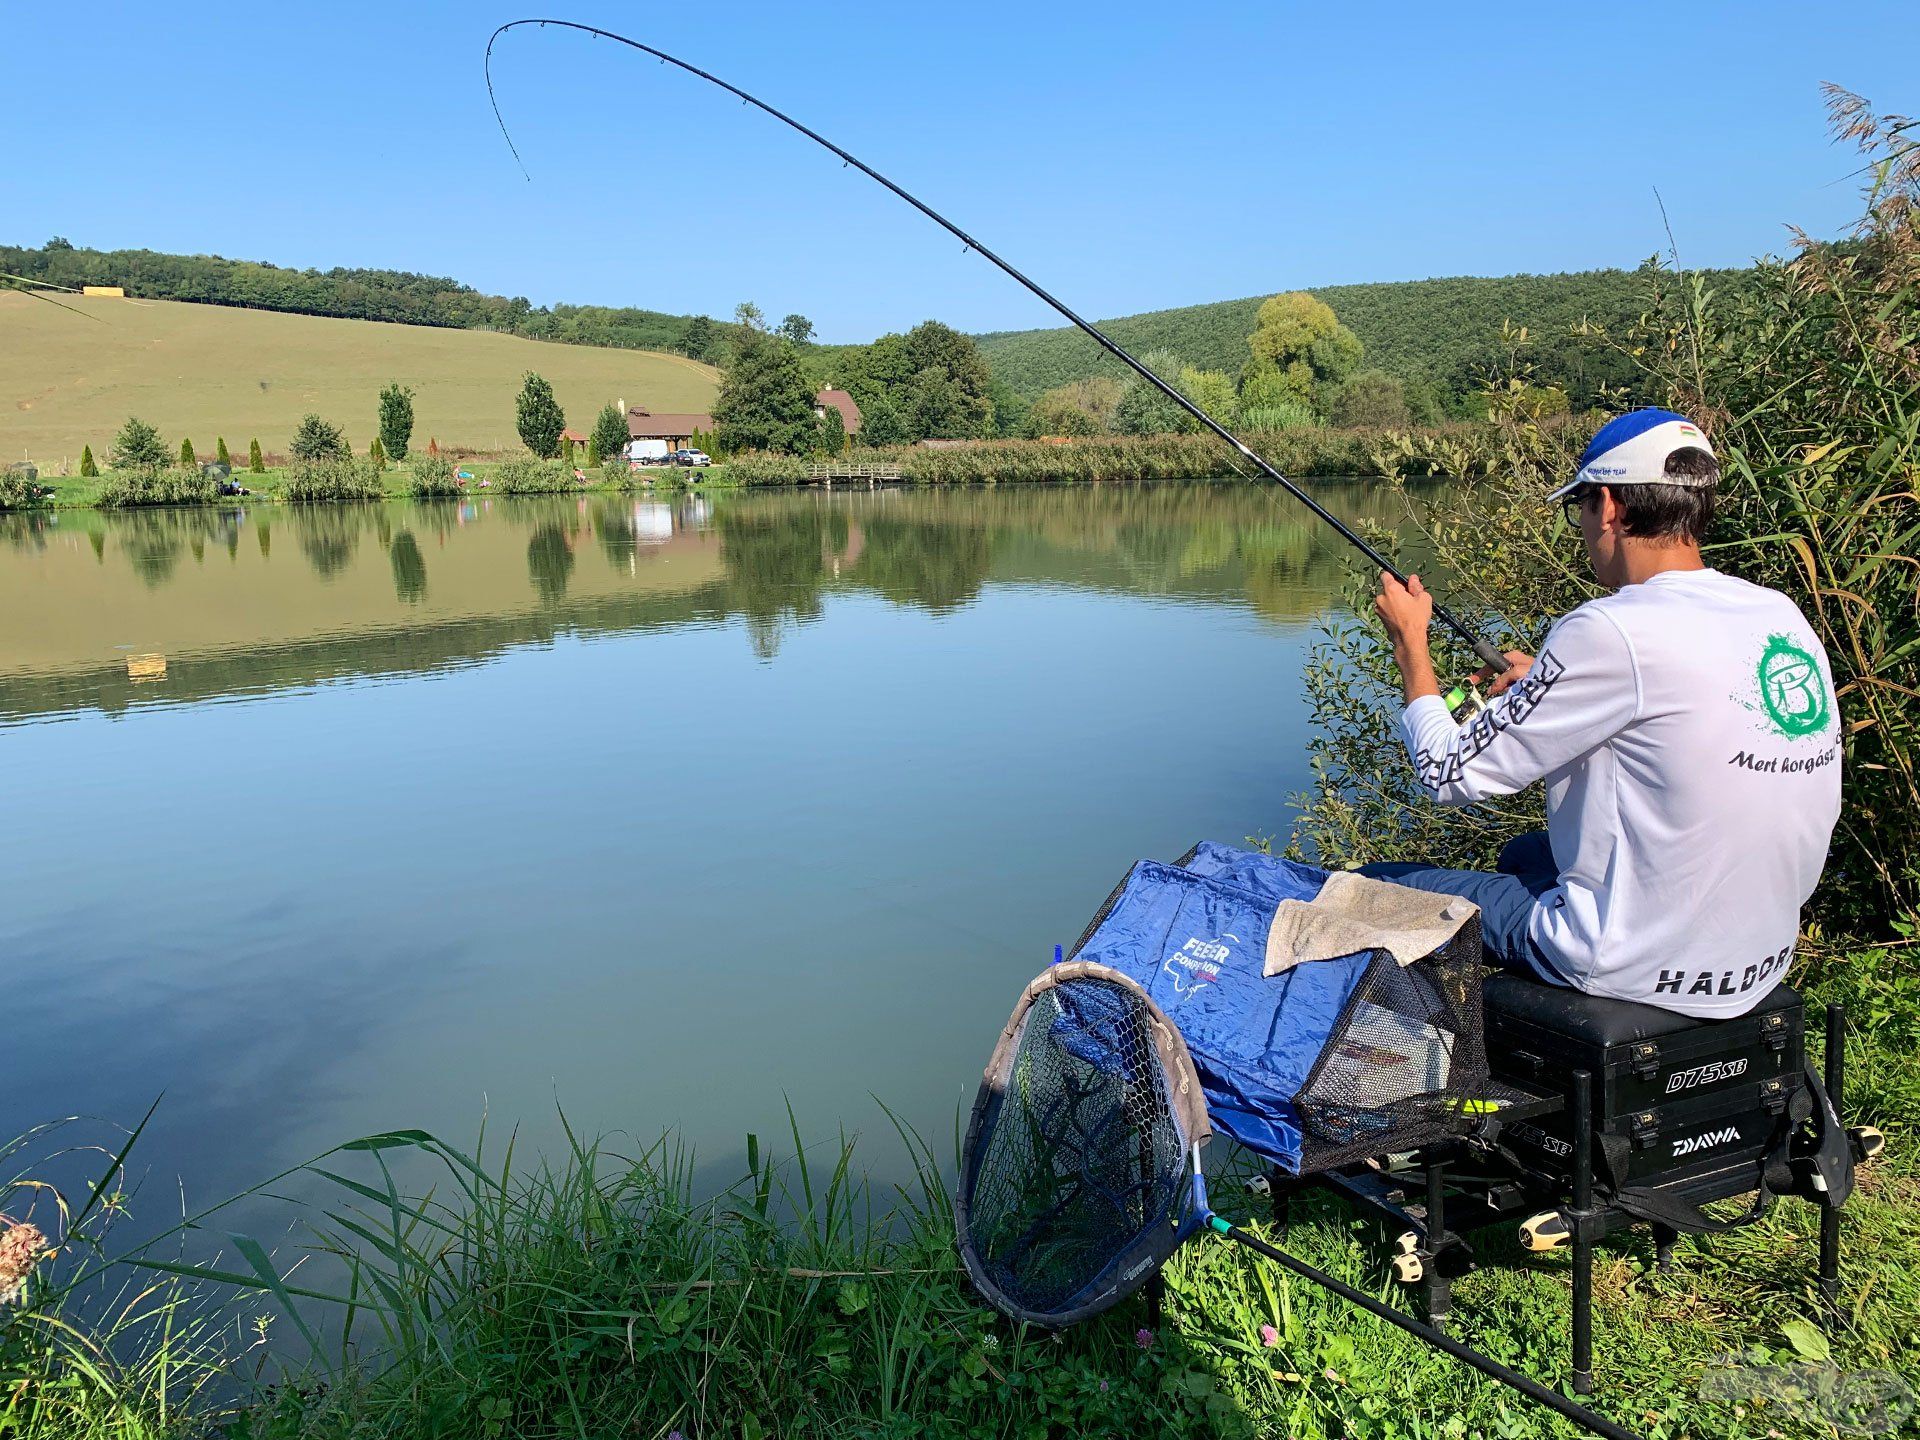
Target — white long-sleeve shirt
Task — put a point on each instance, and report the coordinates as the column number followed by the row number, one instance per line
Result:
column 1687, row 731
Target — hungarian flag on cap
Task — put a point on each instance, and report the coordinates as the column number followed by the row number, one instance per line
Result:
column 1633, row 450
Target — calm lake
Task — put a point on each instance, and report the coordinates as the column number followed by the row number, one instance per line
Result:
column 665, row 812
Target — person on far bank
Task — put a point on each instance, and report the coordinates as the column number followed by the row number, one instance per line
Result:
column 1686, row 728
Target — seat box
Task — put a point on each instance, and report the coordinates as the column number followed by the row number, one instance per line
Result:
column 1674, row 1096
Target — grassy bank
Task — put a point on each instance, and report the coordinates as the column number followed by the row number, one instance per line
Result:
column 599, row 1293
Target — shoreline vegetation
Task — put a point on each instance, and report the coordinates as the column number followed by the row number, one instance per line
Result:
column 1308, row 452
column 428, row 1291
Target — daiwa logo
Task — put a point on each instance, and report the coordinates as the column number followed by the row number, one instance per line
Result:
column 1197, row 963
column 1706, row 1141
column 1711, row 1074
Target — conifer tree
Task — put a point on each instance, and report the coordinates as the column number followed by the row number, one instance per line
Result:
column 396, row 420
column 538, row 417
column 220, row 451
column 255, row 461
column 593, row 453
column 88, row 470
column 377, row 454
column 186, row 453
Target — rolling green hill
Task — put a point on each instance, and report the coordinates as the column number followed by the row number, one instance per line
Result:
column 1440, row 331
column 402, row 296
column 203, row 371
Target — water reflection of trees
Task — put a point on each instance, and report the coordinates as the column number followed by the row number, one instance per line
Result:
column 409, row 568
column 935, row 548
column 549, row 562
column 328, row 535
column 776, row 564
column 914, row 562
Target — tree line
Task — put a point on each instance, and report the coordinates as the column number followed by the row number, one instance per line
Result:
column 1439, row 338
column 400, row 296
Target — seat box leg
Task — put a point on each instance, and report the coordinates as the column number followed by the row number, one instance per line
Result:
column 1830, row 1214
column 1439, row 1289
column 1581, row 1099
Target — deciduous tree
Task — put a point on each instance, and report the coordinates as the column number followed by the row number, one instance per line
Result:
column 315, row 439
column 765, row 401
column 697, row 343
column 538, row 417
column 1371, row 397
column 798, row 329
column 1298, row 348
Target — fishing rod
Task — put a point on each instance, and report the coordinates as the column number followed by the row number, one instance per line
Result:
column 1487, row 652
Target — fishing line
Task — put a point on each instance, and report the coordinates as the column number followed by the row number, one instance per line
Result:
column 1487, row 652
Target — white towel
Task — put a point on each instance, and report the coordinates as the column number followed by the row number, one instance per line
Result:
column 1353, row 912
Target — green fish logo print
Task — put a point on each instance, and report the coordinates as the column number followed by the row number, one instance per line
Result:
column 1792, row 689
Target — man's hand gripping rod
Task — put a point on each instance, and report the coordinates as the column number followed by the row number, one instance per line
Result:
column 1481, row 647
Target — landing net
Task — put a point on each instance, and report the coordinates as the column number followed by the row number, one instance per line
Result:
column 1074, row 1182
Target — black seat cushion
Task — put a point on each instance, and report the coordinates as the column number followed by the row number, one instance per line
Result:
column 1595, row 1019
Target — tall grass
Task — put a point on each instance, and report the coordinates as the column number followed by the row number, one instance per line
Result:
column 603, row 1292
column 318, row 482
column 127, row 489
column 92, row 1348
column 431, row 477
column 1295, row 451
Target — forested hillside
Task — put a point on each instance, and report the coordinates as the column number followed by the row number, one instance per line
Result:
column 396, row 295
column 1442, row 332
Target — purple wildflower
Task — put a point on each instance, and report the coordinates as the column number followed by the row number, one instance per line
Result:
column 1269, row 1337
column 1143, row 1337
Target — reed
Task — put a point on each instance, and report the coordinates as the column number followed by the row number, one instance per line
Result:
column 322, row 481
column 128, row 489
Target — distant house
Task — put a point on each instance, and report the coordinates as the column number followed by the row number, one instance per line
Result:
column 841, row 401
column 573, row 438
column 676, row 430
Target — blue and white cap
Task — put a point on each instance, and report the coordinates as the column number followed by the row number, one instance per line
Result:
column 1633, row 449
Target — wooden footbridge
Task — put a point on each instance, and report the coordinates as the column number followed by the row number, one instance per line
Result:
column 824, row 473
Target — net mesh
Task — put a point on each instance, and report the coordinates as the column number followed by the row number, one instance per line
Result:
column 1075, row 1173
column 1406, row 1061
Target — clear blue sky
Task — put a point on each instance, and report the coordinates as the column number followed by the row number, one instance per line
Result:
column 1130, row 157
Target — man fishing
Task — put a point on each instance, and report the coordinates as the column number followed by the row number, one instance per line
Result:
column 1686, row 729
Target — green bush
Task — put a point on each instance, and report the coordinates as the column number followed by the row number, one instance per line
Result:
column 345, row 478
column 525, row 476
column 256, row 463
column 17, row 492
column 89, row 467
column 126, row 489
column 431, row 477
column 220, row 454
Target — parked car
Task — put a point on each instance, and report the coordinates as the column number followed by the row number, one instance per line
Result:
column 691, row 457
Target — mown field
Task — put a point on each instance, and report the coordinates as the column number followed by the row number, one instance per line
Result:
column 202, row 371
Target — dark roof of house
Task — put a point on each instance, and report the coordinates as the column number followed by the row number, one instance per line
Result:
column 644, row 425
column 843, row 402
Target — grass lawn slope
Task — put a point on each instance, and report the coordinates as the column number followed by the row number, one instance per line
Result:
column 202, row 371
